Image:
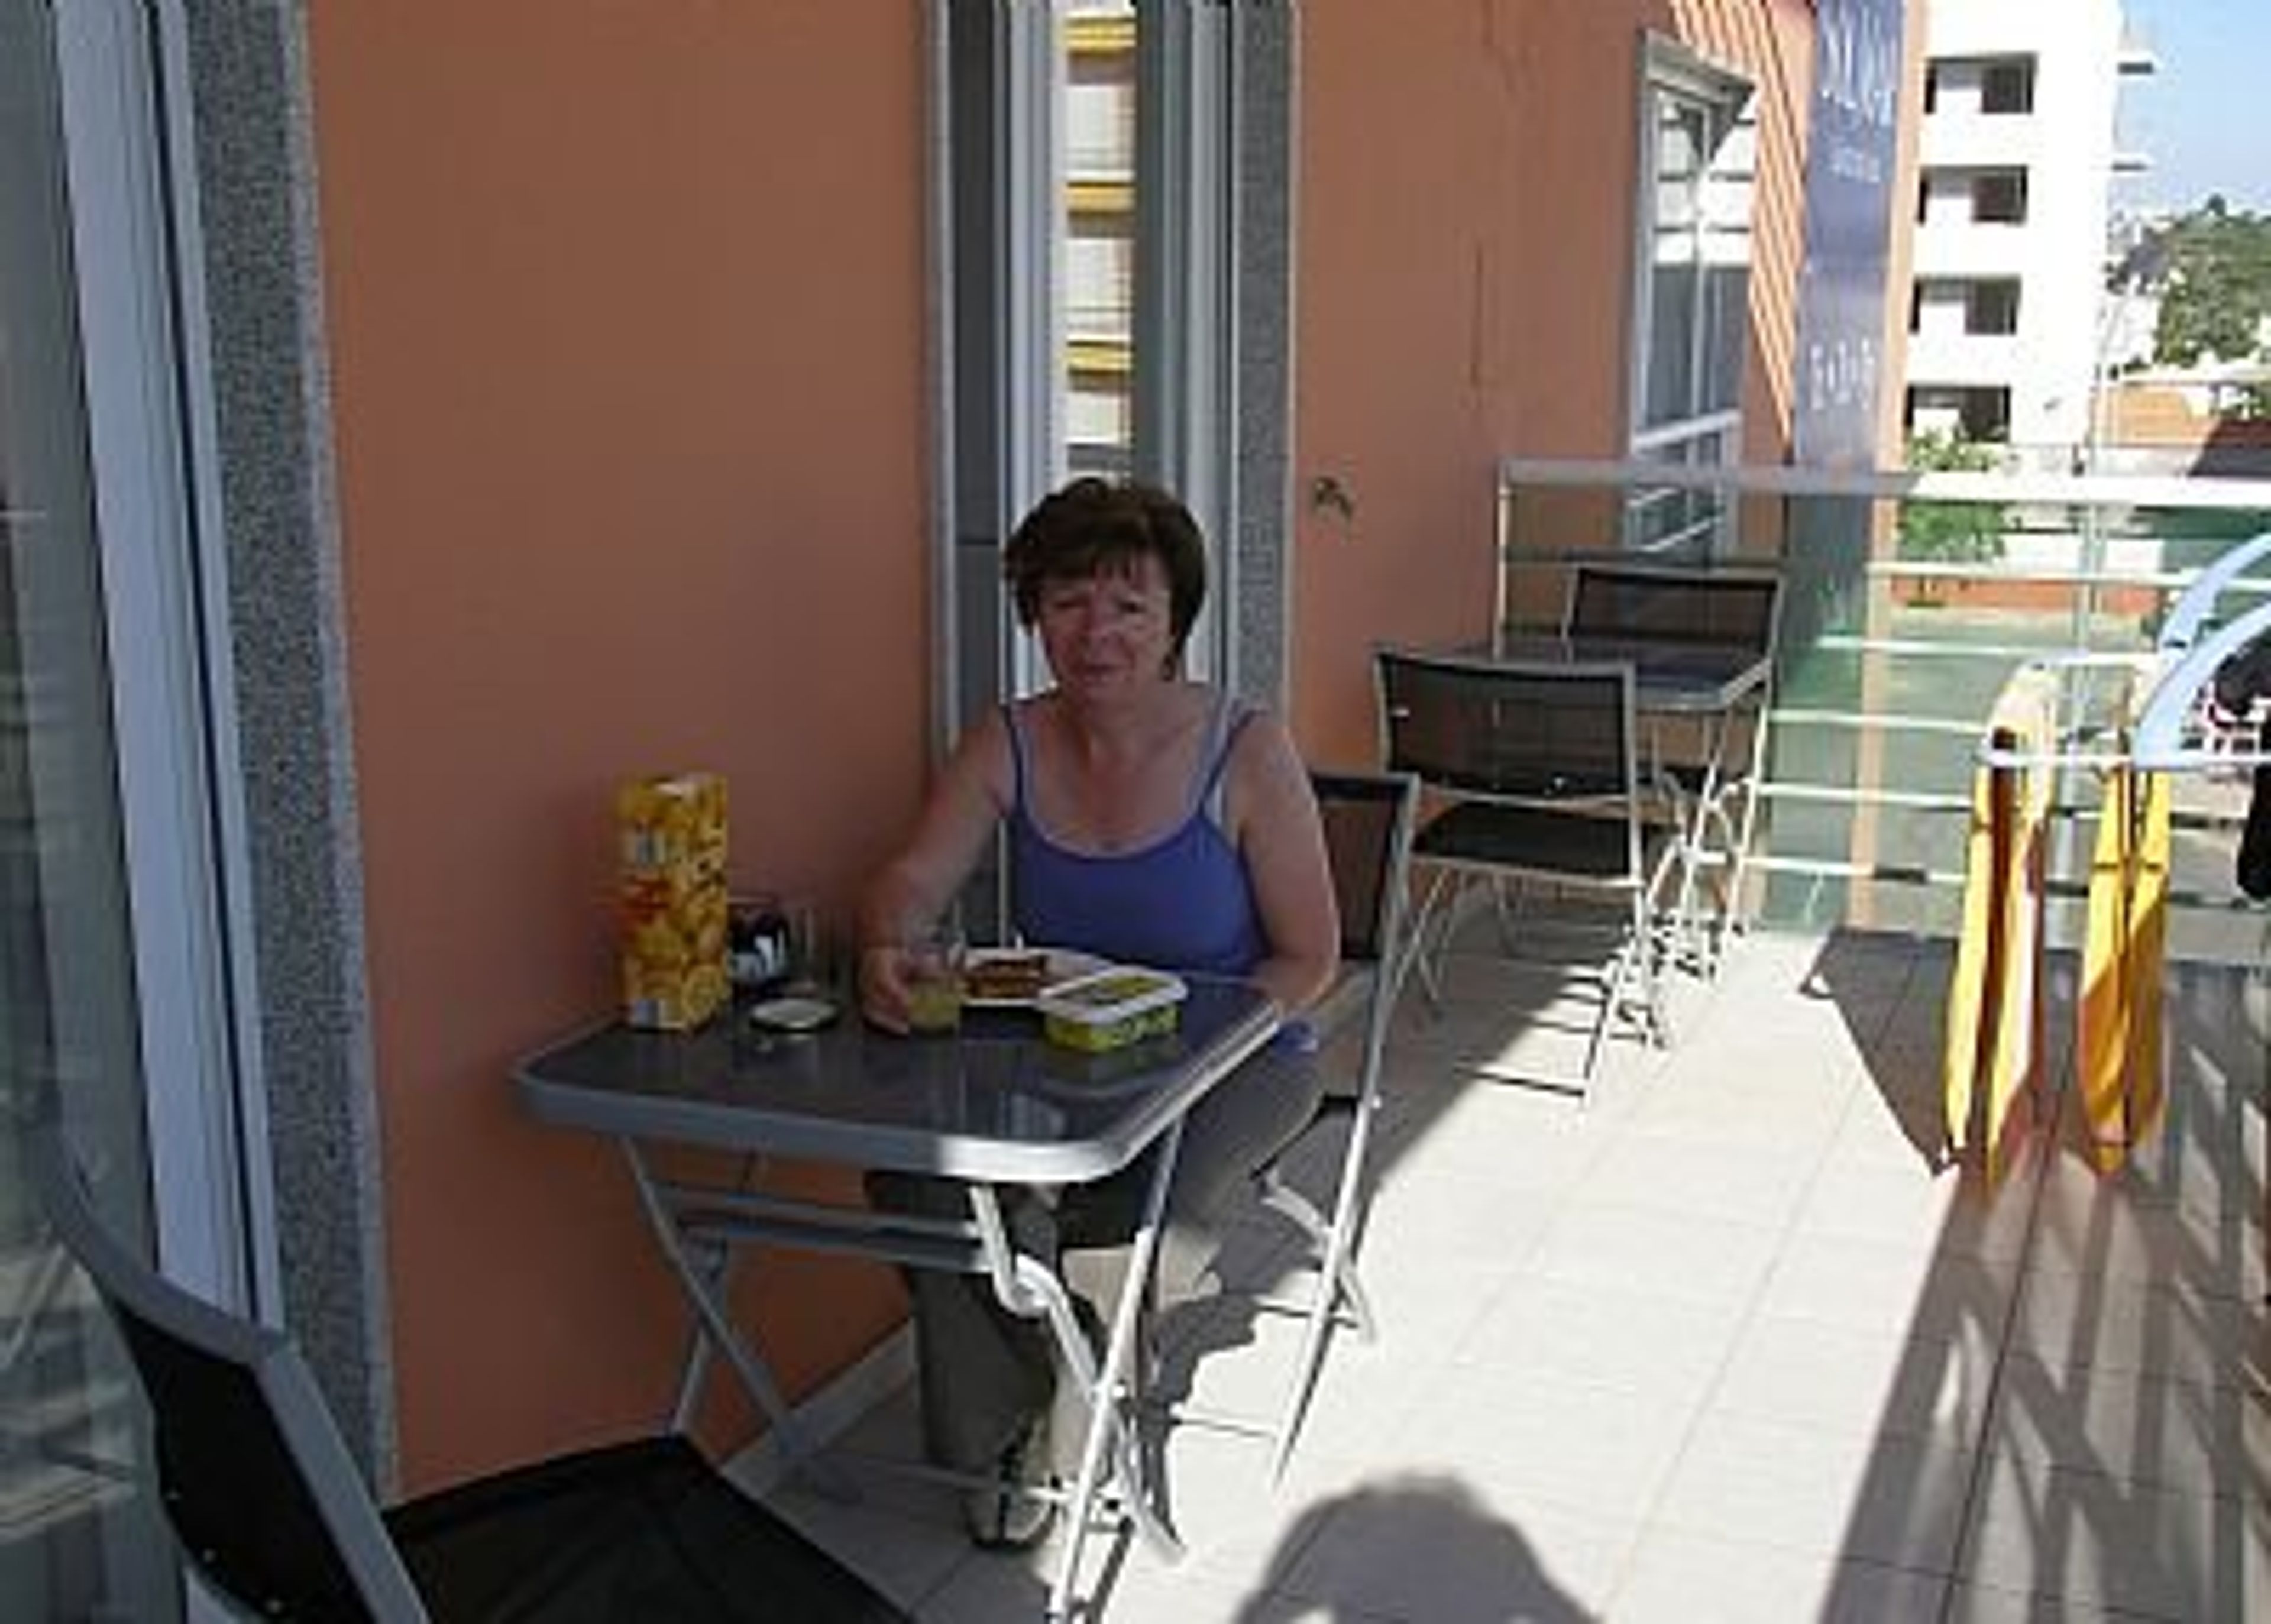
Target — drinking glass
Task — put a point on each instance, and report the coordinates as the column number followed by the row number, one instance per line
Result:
column 812, row 964
column 934, row 977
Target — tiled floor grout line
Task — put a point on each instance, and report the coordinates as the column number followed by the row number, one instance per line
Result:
column 1748, row 1314
column 1894, row 996
column 2044, row 1148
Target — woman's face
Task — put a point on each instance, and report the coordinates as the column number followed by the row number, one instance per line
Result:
column 1108, row 634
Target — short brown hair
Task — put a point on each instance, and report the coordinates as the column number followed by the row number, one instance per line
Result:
column 1094, row 526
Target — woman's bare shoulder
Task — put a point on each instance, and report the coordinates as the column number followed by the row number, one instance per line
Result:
column 1264, row 762
column 1261, row 732
column 982, row 757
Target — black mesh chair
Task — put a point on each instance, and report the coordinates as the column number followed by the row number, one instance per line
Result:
column 1724, row 606
column 1713, row 773
column 270, row 1506
column 1368, row 820
column 1534, row 772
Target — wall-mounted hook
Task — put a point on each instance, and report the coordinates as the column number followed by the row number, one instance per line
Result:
column 1328, row 494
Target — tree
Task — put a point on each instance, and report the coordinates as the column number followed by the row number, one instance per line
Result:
column 2216, row 292
column 1952, row 532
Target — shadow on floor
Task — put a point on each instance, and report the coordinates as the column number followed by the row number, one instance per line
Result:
column 2091, row 1336
column 1460, row 1562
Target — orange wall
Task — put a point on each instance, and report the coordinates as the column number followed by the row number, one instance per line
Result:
column 626, row 311
column 625, row 308
column 1465, row 216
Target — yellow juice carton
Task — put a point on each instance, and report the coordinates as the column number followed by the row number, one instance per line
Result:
column 672, row 831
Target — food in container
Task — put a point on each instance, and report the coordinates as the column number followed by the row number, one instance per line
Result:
column 1083, row 1072
column 1011, row 977
column 1112, row 1008
column 1006, row 975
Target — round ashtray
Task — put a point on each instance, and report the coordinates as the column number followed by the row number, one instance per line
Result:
column 794, row 1012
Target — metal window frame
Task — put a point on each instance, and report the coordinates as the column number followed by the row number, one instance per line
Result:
column 1205, row 161
column 1667, row 67
column 139, row 293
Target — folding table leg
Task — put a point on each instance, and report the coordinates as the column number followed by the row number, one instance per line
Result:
column 716, row 1261
column 704, row 1291
column 1111, row 1424
column 1025, row 1285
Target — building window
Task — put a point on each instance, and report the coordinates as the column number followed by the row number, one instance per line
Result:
column 1974, row 412
column 1963, row 86
column 1998, row 198
column 1991, row 306
column 1958, row 197
column 1111, row 183
column 1979, row 307
column 2007, row 84
column 1692, row 286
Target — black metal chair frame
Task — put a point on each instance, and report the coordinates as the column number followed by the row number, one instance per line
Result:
column 1509, row 807
column 1714, row 802
column 271, row 1507
column 1368, row 819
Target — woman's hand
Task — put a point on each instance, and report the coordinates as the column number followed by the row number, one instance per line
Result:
column 883, row 993
column 915, row 888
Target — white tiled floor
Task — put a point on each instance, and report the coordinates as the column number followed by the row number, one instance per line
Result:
column 1726, row 1343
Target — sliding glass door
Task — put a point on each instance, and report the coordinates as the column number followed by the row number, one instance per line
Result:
column 113, row 1010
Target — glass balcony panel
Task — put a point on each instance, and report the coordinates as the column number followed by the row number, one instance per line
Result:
column 1904, row 617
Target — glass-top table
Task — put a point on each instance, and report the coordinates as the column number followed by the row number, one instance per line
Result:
column 1699, row 688
column 993, row 1104
column 1670, row 675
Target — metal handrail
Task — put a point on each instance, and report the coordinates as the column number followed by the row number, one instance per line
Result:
column 2192, row 610
column 2159, row 743
column 2033, row 501
column 1932, row 485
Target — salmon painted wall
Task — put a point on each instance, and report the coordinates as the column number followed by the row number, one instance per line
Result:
column 626, row 311
column 1466, row 181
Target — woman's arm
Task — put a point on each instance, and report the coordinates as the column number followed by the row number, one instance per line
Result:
column 909, row 893
column 1273, row 819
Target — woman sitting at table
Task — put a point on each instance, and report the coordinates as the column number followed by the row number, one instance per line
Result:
column 1153, row 821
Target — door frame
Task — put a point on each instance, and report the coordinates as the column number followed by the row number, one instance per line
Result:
column 134, row 259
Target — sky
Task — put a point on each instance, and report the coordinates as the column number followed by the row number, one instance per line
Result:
column 2201, row 118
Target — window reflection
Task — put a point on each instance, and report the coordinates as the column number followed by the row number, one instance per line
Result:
column 79, row 1534
column 1698, row 174
column 1097, row 232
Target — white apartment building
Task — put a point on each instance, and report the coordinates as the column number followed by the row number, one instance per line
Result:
column 2007, row 338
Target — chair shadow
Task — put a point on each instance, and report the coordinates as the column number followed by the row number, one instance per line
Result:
column 1850, row 973
column 1521, row 989
column 1446, row 1549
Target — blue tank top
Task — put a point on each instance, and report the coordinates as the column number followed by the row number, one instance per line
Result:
column 1182, row 903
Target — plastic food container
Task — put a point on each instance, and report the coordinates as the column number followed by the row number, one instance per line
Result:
column 1111, row 1009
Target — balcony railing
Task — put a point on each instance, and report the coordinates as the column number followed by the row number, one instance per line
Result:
column 1909, row 599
